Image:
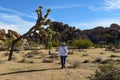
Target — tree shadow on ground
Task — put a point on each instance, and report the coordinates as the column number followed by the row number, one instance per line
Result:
column 26, row 71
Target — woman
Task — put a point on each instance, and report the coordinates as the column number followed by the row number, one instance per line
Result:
column 63, row 54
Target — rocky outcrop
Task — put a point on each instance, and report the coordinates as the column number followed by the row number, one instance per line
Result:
column 67, row 32
column 115, row 26
column 104, row 34
column 2, row 34
column 11, row 33
column 100, row 34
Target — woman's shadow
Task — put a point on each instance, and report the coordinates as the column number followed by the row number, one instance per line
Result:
column 26, row 71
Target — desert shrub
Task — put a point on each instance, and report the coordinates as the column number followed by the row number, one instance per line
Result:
column 117, row 61
column 97, row 45
column 75, row 64
column 70, row 52
column 106, row 61
column 1, row 42
column 31, row 54
column 85, row 55
column 102, row 53
column 97, row 60
column 111, row 46
column 25, row 61
column 112, row 55
column 54, row 56
column 22, row 60
column 55, row 43
column 69, row 43
column 118, row 46
column 48, row 60
column 3, row 48
column 8, row 43
column 108, row 71
column 86, row 61
column 32, row 44
column 82, row 43
column 5, row 54
column 117, row 51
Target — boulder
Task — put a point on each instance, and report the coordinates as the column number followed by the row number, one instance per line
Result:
column 14, row 33
column 2, row 34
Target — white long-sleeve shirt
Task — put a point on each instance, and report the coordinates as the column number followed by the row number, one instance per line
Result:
column 63, row 50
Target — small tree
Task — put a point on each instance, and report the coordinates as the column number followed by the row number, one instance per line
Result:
column 50, row 46
column 50, row 34
column 55, row 43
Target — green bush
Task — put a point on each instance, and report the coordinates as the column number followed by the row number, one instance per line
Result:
column 82, row 43
column 1, row 42
column 8, row 43
column 69, row 42
column 55, row 43
column 118, row 46
column 108, row 71
column 97, row 45
column 32, row 44
column 110, row 46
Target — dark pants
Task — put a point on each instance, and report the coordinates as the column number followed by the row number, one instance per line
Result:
column 63, row 61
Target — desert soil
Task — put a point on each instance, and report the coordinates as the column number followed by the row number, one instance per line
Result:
column 29, row 65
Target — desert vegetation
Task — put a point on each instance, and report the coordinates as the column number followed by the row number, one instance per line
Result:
column 110, row 71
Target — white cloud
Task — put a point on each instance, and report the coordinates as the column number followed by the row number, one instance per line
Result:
column 16, row 12
column 65, row 6
column 94, row 8
column 112, row 4
column 12, row 19
column 90, row 25
column 14, row 22
column 8, row 26
column 107, row 5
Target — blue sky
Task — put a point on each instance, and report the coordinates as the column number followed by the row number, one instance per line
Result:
column 20, row 15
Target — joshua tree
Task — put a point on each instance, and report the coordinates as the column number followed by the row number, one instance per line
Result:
column 42, row 20
column 50, row 34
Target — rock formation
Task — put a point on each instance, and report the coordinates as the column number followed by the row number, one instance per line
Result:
column 67, row 32
column 13, row 33
column 2, row 34
column 100, row 34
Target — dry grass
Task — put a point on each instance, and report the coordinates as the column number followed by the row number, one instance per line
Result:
column 33, row 68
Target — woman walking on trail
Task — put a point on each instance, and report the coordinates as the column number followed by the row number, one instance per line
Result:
column 63, row 54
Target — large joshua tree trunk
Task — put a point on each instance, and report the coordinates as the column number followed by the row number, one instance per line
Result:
column 16, row 40
column 41, row 21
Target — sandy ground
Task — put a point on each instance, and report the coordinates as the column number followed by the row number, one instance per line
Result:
column 23, row 67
